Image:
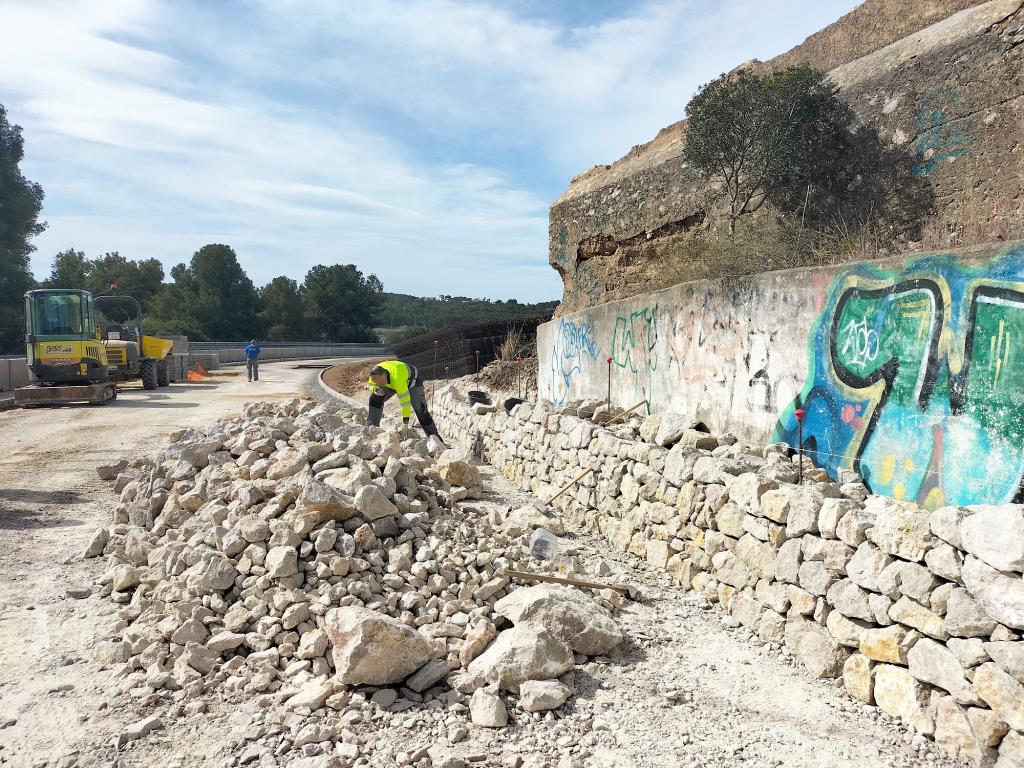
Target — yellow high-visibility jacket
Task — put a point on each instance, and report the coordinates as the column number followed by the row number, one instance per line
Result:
column 398, row 381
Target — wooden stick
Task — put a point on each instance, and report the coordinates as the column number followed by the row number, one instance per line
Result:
column 526, row 576
column 626, row 413
column 573, row 482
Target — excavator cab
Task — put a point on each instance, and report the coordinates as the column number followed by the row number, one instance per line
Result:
column 62, row 339
column 67, row 361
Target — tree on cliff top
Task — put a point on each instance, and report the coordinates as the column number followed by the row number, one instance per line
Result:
column 764, row 137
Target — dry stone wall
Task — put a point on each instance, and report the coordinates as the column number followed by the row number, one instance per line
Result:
column 917, row 612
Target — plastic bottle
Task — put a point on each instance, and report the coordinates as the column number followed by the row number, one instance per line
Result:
column 543, row 544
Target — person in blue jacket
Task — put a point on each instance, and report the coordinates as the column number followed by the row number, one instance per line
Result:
column 252, row 361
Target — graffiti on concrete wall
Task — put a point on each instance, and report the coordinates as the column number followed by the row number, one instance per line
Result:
column 916, row 381
column 939, row 138
column 574, row 347
column 635, row 348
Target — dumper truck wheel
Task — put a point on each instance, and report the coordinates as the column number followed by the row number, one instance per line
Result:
column 163, row 374
column 147, row 372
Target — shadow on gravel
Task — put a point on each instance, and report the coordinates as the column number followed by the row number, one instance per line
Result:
column 25, row 519
column 27, row 496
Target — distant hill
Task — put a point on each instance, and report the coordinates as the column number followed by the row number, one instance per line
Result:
column 402, row 316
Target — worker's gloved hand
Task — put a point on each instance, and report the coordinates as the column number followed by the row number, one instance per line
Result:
column 406, row 431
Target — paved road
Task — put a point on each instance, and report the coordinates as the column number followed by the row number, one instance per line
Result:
column 51, row 501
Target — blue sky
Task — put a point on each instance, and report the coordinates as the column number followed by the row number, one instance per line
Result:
column 422, row 140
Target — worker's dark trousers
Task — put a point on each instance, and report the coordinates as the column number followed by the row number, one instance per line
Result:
column 252, row 368
column 419, row 405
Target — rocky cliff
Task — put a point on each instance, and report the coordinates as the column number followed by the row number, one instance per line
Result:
column 943, row 81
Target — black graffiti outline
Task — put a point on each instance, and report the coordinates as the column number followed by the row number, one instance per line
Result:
column 888, row 370
column 958, row 382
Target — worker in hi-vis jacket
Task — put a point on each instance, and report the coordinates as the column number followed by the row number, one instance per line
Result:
column 393, row 377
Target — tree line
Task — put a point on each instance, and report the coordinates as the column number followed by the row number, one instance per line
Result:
column 210, row 297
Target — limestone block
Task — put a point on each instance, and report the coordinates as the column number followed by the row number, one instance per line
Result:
column 932, row 662
column 965, row 617
column 832, row 511
column 995, row 535
column 815, row 648
column 889, row 644
column 1003, row 694
column 852, row 527
column 787, row 561
column 858, row 679
column 970, row 651
column 866, row 566
column 846, row 631
column 897, row 693
column 1009, row 656
column 900, row 528
column 757, row 555
column 815, row 577
column 1001, row 595
column 906, row 611
column 945, row 524
column 746, row 610
column 747, row 489
column 772, row 627
column 850, row 600
column 945, row 561
column 729, row 520
column 804, row 507
column 775, row 504
column 954, row 733
column 1011, row 751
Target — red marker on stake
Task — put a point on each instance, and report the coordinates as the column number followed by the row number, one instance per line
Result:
column 799, row 413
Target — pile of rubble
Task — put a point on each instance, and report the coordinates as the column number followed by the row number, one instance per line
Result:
column 328, row 572
column 920, row 613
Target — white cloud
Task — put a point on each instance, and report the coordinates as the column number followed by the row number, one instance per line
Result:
column 420, row 140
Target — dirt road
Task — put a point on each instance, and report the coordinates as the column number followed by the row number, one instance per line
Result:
column 51, row 501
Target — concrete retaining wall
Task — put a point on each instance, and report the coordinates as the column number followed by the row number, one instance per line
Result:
column 917, row 612
column 911, row 371
column 13, row 373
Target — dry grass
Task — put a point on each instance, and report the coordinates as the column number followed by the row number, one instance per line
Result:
column 515, row 365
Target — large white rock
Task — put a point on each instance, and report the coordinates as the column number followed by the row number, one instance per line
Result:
column 1001, row 595
column 571, row 616
column 889, row 644
column 456, row 467
column 486, row 709
column 965, row 618
column 815, row 648
column 321, row 502
column 370, row 648
column 995, row 534
column 897, row 693
column 932, row 662
column 1009, row 655
column 858, row 679
column 286, row 463
column 525, row 652
column 900, row 528
column 373, row 504
column 282, row 562
column 945, row 523
column 541, row 695
column 955, row 734
column 528, row 518
column 1002, row 693
column 866, row 566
